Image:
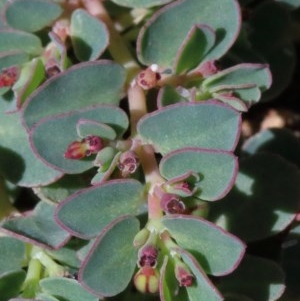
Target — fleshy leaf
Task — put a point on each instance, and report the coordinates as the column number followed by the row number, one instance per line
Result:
column 203, row 289
column 162, row 36
column 90, row 127
column 243, row 80
column 168, row 95
column 11, row 40
column 207, row 242
column 48, row 133
column 217, row 170
column 31, row 15
column 109, row 267
column 277, row 141
column 253, row 277
column 140, row 3
column 15, row 151
column 87, row 212
column 85, row 84
column 12, row 254
column 7, row 290
column 89, row 35
column 66, row 289
column 200, row 39
column 208, row 125
column 12, row 58
column 262, row 203
column 38, row 228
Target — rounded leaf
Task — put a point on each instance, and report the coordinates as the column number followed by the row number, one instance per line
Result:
column 208, row 125
column 12, row 58
column 207, row 242
column 83, row 85
column 263, row 202
column 111, row 262
column 7, row 290
column 217, row 170
column 87, row 212
column 31, row 15
column 162, row 36
column 50, row 142
column 140, row 3
column 89, row 35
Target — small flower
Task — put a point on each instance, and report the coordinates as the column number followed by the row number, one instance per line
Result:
column 146, row 280
column 148, row 78
column 183, row 274
column 208, row 68
column 9, row 76
column 148, row 256
column 172, row 204
column 129, row 162
column 87, row 146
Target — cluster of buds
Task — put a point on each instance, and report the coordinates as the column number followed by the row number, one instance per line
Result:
column 9, row 76
column 83, row 148
column 148, row 78
column 128, row 163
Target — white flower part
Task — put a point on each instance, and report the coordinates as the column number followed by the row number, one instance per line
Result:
column 154, row 67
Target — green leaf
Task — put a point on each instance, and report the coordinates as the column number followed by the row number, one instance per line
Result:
column 243, row 79
column 83, row 85
column 89, row 35
column 109, row 266
column 279, row 141
column 162, row 36
column 207, row 242
column 7, row 290
column 31, row 15
column 15, row 40
column 13, row 58
column 203, row 289
column 169, row 95
column 253, row 278
column 141, row 3
column 208, row 125
column 200, row 39
column 15, row 151
column 66, row 289
column 262, row 202
column 51, row 146
column 38, row 228
column 32, row 75
column 12, row 254
column 217, row 170
column 87, row 212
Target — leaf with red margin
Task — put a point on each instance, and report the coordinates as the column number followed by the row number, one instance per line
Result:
column 209, row 243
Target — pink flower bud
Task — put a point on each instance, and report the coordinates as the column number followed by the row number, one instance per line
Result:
column 171, row 203
column 208, row 68
column 148, row 78
column 9, row 76
column 183, row 274
column 148, row 256
column 129, row 162
column 87, row 146
column 146, row 280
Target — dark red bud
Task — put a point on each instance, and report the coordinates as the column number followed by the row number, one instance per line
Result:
column 129, row 162
column 9, row 76
column 184, row 276
column 171, row 203
column 148, row 256
column 148, row 78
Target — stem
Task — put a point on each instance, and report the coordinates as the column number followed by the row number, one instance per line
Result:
column 117, row 47
column 30, row 284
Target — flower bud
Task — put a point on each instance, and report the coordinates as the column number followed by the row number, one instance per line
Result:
column 146, row 280
column 183, row 274
column 208, row 68
column 87, row 146
column 148, row 78
column 148, row 256
column 9, row 76
column 129, row 162
column 171, row 203
column 141, row 238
